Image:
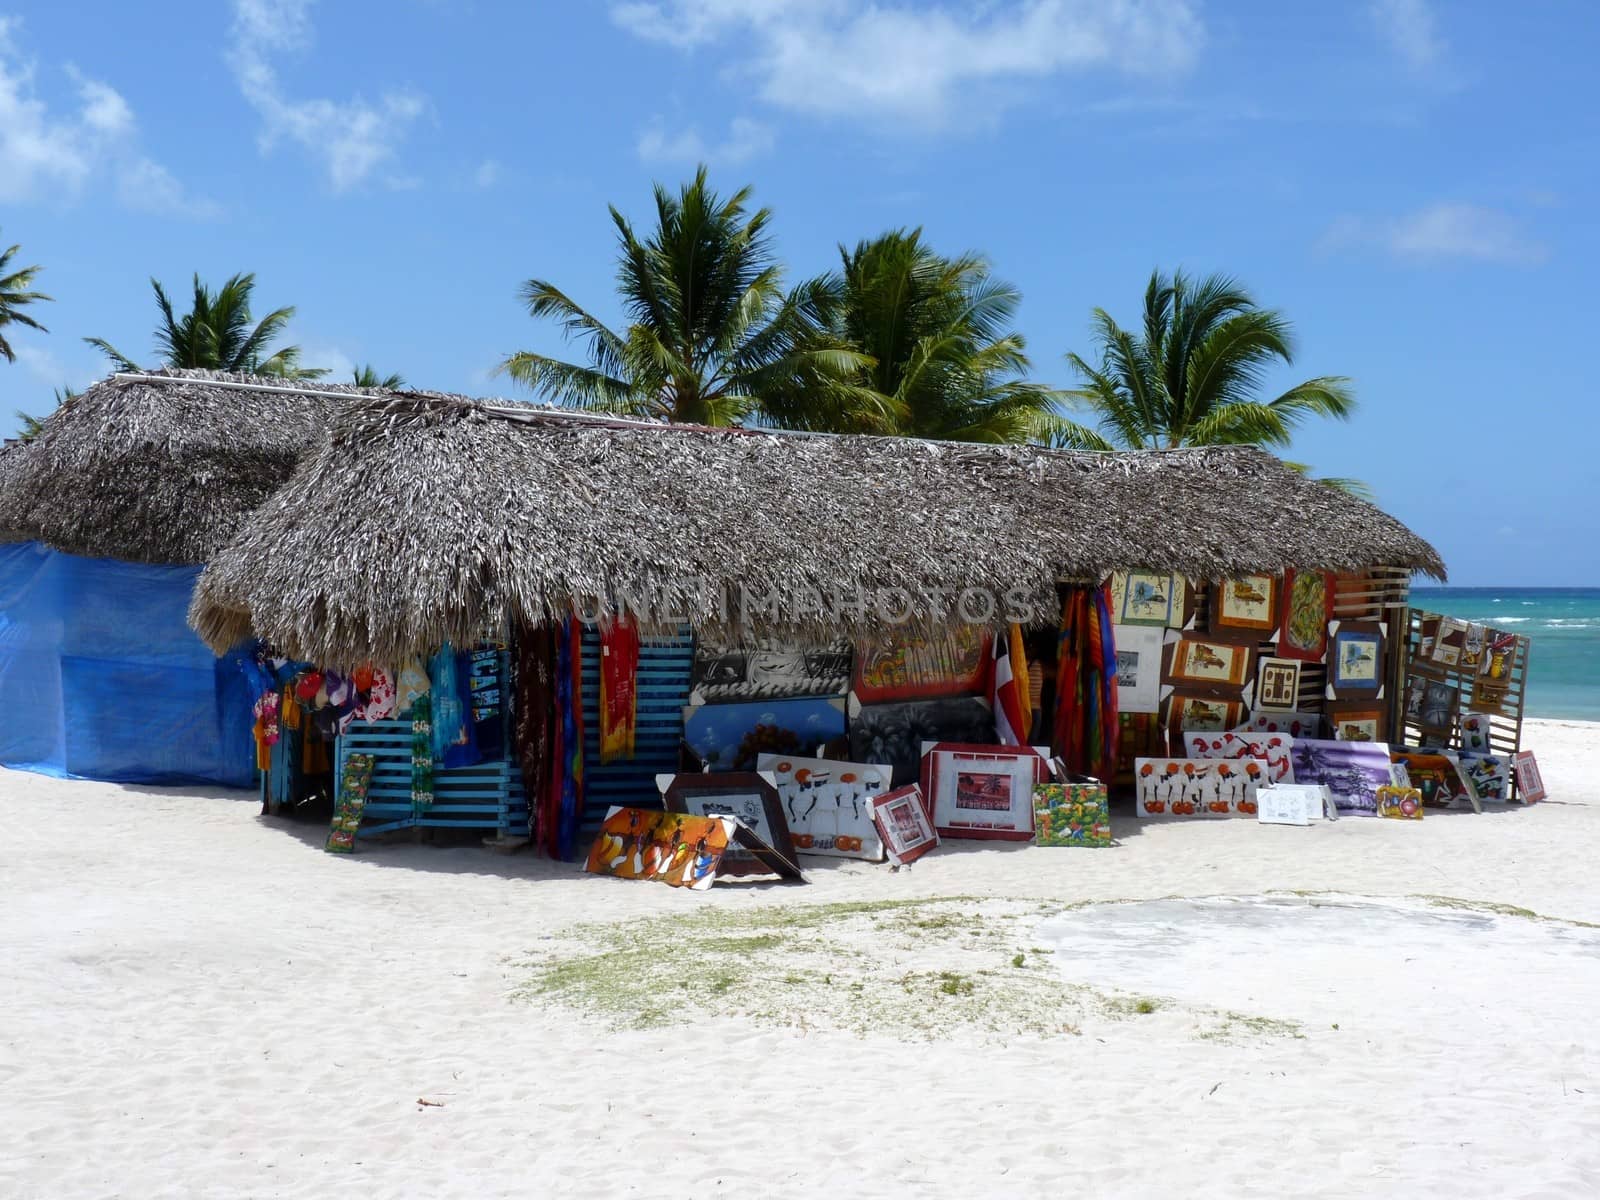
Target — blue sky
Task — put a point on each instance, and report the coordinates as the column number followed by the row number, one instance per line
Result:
column 1412, row 182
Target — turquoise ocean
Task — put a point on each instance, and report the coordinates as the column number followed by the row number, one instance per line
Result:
column 1563, row 627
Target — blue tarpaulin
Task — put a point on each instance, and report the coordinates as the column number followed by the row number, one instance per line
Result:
column 102, row 678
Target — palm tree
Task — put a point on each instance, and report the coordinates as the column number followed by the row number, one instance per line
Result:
column 712, row 336
column 216, row 334
column 14, row 295
column 1190, row 377
column 33, row 426
column 367, row 376
column 943, row 361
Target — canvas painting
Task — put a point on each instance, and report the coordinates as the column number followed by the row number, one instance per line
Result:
column 895, row 733
column 1307, row 608
column 1209, row 662
column 750, row 797
column 1352, row 771
column 912, row 666
column 903, row 824
column 1073, row 813
column 1355, row 659
column 1264, row 756
column 1437, row 704
column 1278, row 684
column 672, row 848
column 1292, row 804
column 1148, row 598
column 729, row 737
column 767, row 669
column 1437, row 776
column 1186, row 787
column 1294, row 724
column 1476, row 732
column 1489, row 775
column 1530, row 784
column 982, row 791
column 1138, row 667
column 1400, row 803
column 1356, row 721
column 1247, row 603
column 827, row 803
column 1473, row 647
column 1204, row 713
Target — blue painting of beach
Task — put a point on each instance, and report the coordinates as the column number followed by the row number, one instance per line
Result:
column 727, row 737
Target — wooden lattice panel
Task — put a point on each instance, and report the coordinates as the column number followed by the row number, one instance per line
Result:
column 1505, row 721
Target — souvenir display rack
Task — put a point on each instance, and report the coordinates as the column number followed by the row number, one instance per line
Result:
column 1505, row 717
column 485, row 796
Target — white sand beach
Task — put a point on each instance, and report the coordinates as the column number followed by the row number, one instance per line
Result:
column 200, row 1002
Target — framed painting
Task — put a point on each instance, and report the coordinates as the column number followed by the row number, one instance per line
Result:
column 982, row 791
column 1264, row 756
column 1187, row 787
column 1352, row 771
column 1356, row 721
column 913, row 666
column 1294, row 724
column 729, row 737
column 1494, row 676
column 1149, row 598
column 1307, row 607
column 1446, row 649
column 1249, row 603
column 903, row 824
column 767, row 669
column 1530, row 784
column 1355, row 659
column 1209, row 662
column 826, row 803
column 1138, row 667
column 1278, row 684
column 744, row 794
column 896, row 733
column 1437, row 776
column 1193, row 713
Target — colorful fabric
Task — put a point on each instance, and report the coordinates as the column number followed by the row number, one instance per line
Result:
column 421, row 755
column 570, row 691
column 619, row 689
column 1086, row 726
column 487, row 685
column 353, row 784
column 534, row 679
column 412, row 685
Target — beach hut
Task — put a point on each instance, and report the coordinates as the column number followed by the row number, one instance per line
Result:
column 105, row 519
column 460, row 520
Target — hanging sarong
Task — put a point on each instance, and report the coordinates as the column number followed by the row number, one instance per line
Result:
column 619, row 689
column 421, row 755
column 569, row 706
column 531, row 734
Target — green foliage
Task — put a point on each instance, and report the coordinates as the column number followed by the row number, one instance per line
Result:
column 940, row 357
column 1190, row 376
column 16, row 294
column 367, row 376
column 217, row 334
column 33, row 426
column 711, row 337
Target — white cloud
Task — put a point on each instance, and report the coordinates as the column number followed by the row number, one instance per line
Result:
column 339, row 365
column 1408, row 28
column 841, row 58
column 1444, row 231
column 746, row 139
column 351, row 137
column 57, row 153
column 487, row 174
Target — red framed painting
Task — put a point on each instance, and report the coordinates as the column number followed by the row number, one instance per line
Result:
column 1306, row 609
column 910, row 666
column 983, row 792
column 903, row 824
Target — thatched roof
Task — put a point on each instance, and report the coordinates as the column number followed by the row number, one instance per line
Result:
column 158, row 470
column 423, row 518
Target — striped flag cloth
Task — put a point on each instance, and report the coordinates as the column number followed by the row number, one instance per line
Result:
column 1010, row 726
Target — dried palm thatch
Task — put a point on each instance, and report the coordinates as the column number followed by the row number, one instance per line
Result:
column 157, row 469
column 424, row 518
